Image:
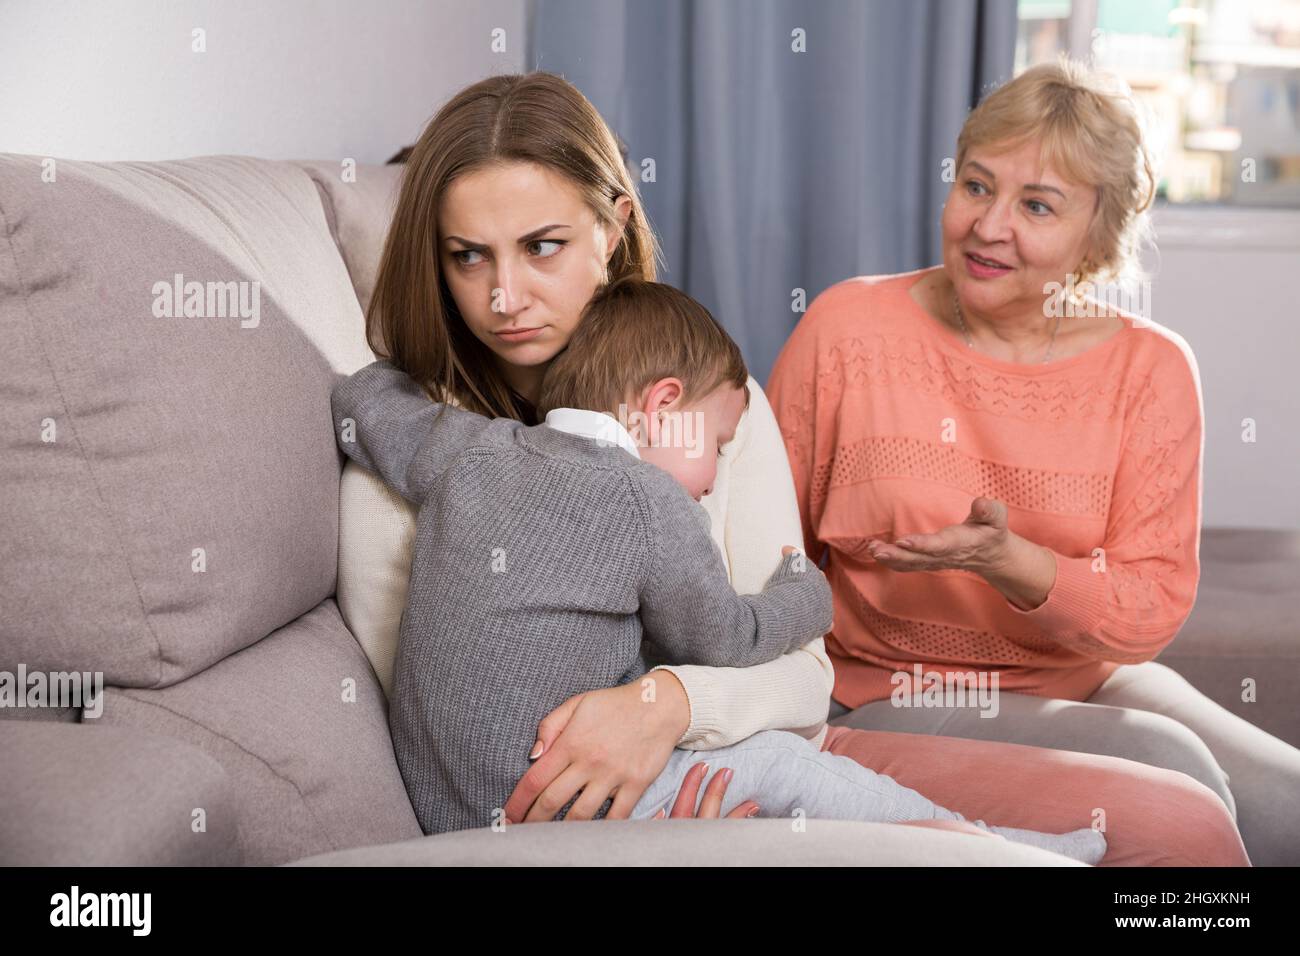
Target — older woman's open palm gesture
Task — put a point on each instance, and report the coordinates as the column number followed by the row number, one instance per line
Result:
column 978, row 544
column 1024, row 572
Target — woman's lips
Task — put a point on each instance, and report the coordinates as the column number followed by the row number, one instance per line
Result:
column 520, row 335
column 982, row 267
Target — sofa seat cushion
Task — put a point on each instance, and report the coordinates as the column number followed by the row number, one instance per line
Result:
column 761, row 842
column 92, row 795
column 299, row 724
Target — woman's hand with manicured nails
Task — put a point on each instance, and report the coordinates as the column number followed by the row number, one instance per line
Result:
column 609, row 742
column 711, row 805
column 1020, row 570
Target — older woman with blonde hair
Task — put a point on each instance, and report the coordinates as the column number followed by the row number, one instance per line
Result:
column 515, row 208
column 1003, row 475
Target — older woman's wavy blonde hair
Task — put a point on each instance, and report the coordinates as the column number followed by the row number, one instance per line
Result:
column 1090, row 129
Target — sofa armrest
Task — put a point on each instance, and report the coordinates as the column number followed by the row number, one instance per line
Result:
column 77, row 794
column 761, row 842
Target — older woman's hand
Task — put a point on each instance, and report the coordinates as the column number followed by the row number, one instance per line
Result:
column 980, row 544
column 609, row 742
column 1022, row 571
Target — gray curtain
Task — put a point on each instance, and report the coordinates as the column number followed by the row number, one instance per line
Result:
column 775, row 169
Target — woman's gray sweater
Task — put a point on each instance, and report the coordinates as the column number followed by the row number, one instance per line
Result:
column 539, row 557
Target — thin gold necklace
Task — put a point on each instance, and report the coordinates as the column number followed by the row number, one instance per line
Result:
column 966, row 332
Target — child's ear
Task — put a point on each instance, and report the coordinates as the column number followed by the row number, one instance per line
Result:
column 664, row 394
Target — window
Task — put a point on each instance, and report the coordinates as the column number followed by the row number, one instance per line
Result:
column 1219, row 80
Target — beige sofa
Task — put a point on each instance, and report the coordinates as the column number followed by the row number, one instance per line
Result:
column 169, row 517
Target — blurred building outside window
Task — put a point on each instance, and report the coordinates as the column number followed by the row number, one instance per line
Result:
column 1219, row 81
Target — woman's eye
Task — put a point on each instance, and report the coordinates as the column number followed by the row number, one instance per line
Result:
column 975, row 187
column 462, row 255
column 1038, row 208
column 537, row 245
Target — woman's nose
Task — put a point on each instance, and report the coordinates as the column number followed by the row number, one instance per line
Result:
column 994, row 225
column 508, row 294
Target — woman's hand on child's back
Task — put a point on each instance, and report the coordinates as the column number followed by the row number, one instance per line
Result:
column 711, row 806
column 606, row 743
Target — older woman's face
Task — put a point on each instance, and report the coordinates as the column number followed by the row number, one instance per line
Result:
column 522, row 254
column 1011, row 226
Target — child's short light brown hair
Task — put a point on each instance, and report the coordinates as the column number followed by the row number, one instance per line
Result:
column 632, row 334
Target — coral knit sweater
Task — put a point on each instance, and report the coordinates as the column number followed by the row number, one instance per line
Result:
column 893, row 425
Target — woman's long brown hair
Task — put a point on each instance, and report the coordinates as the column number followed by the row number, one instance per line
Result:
column 539, row 118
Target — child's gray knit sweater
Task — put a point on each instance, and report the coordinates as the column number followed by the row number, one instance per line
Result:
column 538, row 557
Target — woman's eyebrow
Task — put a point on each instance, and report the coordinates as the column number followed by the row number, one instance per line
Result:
column 1044, row 189
column 1040, row 187
column 529, row 237
column 538, row 233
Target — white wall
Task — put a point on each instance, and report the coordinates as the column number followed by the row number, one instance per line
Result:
column 1225, row 279
column 283, row 79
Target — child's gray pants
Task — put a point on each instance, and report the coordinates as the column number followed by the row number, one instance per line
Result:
column 788, row 777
